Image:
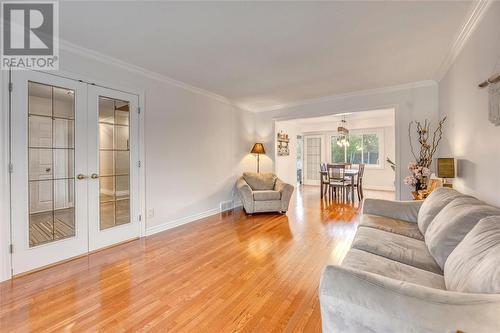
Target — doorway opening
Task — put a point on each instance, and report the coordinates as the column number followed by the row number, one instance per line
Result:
column 359, row 138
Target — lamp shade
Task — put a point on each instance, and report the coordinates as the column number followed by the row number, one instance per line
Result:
column 446, row 167
column 258, row 148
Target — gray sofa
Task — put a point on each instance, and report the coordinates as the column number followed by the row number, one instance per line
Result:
column 263, row 192
column 431, row 266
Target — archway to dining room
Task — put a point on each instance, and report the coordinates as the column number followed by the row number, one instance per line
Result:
column 307, row 149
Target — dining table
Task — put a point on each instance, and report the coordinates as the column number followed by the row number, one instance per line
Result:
column 351, row 173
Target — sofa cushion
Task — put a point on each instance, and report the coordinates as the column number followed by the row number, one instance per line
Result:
column 260, row 181
column 373, row 263
column 474, row 265
column 266, row 195
column 396, row 247
column 433, row 204
column 452, row 224
column 400, row 227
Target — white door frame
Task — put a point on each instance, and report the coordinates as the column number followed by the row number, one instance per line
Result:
column 5, row 222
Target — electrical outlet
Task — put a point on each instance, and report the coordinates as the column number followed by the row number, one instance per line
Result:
column 150, row 213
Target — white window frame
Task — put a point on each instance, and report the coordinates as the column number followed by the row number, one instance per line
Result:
column 381, row 144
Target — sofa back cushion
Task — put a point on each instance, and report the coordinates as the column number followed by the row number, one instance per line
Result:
column 474, row 265
column 260, row 181
column 452, row 224
column 433, row 204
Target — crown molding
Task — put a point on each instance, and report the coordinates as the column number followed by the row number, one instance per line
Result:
column 472, row 20
column 388, row 89
column 106, row 59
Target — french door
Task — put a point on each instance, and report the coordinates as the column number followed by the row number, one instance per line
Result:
column 114, row 179
column 313, row 157
column 65, row 136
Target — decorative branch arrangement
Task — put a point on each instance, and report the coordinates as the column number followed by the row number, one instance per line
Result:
column 420, row 169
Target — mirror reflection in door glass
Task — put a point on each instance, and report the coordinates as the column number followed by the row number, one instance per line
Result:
column 114, row 162
column 51, row 114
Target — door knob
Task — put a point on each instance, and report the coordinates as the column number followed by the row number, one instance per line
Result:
column 94, row 176
column 81, row 176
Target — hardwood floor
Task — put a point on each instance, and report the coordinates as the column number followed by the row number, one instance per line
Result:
column 225, row 273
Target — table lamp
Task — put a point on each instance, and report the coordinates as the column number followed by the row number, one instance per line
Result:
column 446, row 169
column 258, row 149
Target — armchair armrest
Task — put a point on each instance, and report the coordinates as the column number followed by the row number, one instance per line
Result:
column 401, row 210
column 246, row 195
column 353, row 300
column 286, row 193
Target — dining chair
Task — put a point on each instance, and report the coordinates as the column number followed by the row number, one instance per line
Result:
column 336, row 179
column 324, row 177
column 359, row 181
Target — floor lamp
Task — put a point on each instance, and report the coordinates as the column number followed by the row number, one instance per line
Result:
column 258, row 149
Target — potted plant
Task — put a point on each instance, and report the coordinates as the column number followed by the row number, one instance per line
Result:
column 420, row 169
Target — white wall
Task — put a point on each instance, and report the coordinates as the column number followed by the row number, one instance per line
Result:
column 286, row 166
column 468, row 136
column 379, row 178
column 195, row 146
column 416, row 101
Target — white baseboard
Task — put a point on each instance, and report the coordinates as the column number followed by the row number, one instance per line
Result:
column 184, row 220
column 379, row 188
column 177, row 222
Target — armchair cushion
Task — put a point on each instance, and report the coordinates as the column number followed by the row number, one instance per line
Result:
column 262, row 198
column 266, row 195
column 474, row 265
column 260, row 181
column 452, row 224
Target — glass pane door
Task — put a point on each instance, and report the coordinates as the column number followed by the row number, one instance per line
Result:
column 313, row 156
column 114, row 162
column 51, row 142
column 312, row 159
column 49, row 204
column 113, row 166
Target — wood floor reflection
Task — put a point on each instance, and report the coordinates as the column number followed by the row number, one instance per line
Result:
column 225, row 273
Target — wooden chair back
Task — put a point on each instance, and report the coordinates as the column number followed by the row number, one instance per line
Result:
column 336, row 172
column 361, row 172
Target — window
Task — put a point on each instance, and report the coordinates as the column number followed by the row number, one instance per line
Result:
column 363, row 148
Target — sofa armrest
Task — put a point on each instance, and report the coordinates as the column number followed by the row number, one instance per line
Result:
column 286, row 191
column 353, row 300
column 246, row 195
column 401, row 210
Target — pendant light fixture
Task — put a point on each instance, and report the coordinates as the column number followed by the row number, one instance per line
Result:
column 343, row 133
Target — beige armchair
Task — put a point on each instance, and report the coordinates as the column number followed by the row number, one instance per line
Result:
column 263, row 192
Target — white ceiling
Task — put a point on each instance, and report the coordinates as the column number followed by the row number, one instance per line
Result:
column 261, row 54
